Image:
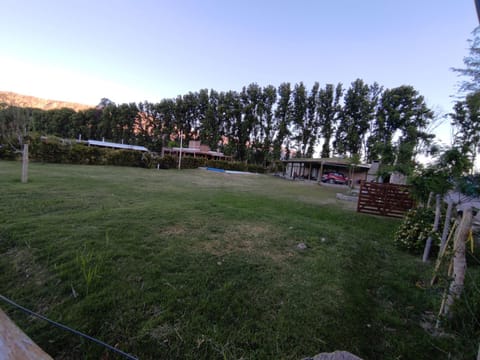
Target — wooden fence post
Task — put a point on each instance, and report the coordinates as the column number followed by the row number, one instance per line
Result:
column 25, row 163
column 15, row 344
column 438, row 213
column 446, row 226
column 459, row 262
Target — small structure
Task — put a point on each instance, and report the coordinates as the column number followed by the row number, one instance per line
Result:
column 197, row 150
column 313, row 169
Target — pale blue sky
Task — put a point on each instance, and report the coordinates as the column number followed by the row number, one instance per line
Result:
column 148, row 50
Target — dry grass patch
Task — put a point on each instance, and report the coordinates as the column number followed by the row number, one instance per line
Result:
column 172, row 230
column 23, row 262
column 248, row 239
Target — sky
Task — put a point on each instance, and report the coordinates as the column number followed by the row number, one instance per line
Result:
column 137, row 50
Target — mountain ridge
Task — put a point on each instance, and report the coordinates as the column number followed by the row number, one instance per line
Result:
column 14, row 99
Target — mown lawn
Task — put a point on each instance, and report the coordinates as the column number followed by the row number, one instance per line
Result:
column 203, row 265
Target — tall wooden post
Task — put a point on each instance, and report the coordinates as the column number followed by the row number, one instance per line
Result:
column 459, row 263
column 25, row 163
column 320, row 173
column 446, row 226
column 180, row 154
column 15, row 344
column 428, row 244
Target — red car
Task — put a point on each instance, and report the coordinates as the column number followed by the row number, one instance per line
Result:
column 334, row 178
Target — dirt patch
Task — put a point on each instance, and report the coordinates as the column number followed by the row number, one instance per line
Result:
column 177, row 229
column 247, row 239
column 23, row 263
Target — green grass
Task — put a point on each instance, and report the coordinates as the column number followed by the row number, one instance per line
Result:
column 203, row 265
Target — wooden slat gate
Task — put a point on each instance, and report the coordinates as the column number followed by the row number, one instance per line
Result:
column 384, row 199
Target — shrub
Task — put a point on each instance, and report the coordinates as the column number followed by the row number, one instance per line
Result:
column 192, row 163
column 54, row 150
column 167, row 162
column 149, row 160
column 415, row 230
column 123, row 158
column 8, row 153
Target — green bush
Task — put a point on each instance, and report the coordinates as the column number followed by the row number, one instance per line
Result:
column 415, row 230
column 167, row 162
column 8, row 153
column 54, row 150
column 192, row 163
column 124, row 158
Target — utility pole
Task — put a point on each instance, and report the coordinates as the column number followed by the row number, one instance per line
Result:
column 180, row 153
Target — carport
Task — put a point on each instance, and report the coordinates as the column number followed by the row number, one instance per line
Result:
column 313, row 169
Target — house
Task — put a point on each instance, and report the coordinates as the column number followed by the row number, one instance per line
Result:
column 313, row 169
column 197, row 150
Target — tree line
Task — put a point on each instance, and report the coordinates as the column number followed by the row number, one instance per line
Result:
column 260, row 124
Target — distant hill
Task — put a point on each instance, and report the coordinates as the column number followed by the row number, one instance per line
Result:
column 14, row 99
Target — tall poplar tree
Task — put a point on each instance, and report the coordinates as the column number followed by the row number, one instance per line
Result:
column 329, row 108
column 466, row 124
column 404, row 117
column 283, row 116
column 355, row 119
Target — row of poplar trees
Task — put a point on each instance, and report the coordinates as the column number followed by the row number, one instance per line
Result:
column 264, row 124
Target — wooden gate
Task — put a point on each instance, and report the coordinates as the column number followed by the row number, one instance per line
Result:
column 384, row 199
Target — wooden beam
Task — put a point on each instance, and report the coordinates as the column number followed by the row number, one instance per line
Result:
column 14, row 344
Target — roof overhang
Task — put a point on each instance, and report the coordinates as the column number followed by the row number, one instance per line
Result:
column 327, row 162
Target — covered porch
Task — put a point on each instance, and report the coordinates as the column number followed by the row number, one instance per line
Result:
column 313, row 169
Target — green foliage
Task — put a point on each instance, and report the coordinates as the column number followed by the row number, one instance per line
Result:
column 15, row 123
column 430, row 180
column 257, row 124
column 9, row 152
column 89, row 264
column 329, row 109
column 465, row 320
column 357, row 113
column 55, row 150
column 189, row 162
column 415, row 230
column 443, row 175
column 167, row 162
column 472, row 66
column 466, row 123
column 470, row 185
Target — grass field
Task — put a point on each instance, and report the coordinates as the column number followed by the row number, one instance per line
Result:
column 203, row 265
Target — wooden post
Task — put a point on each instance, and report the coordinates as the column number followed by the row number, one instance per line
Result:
column 428, row 244
column 446, row 226
column 319, row 177
column 180, row 153
column 14, row 344
column 459, row 262
column 25, row 164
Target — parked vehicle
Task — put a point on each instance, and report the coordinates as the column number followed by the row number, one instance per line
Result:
column 334, row 178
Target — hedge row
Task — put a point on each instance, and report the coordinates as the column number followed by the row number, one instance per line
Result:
column 55, row 151
column 169, row 162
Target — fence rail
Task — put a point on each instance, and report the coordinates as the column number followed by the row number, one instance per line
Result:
column 384, row 199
